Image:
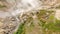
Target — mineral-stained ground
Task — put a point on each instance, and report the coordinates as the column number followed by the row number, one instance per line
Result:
column 29, row 16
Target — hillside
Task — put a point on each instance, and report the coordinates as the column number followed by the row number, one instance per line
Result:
column 29, row 16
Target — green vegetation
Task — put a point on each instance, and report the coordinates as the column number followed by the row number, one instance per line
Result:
column 56, row 26
column 45, row 19
column 20, row 29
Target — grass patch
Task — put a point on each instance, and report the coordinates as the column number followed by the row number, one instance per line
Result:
column 52, row 23
column 20, row 29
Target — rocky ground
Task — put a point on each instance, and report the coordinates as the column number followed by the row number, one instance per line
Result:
column 15, row 12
